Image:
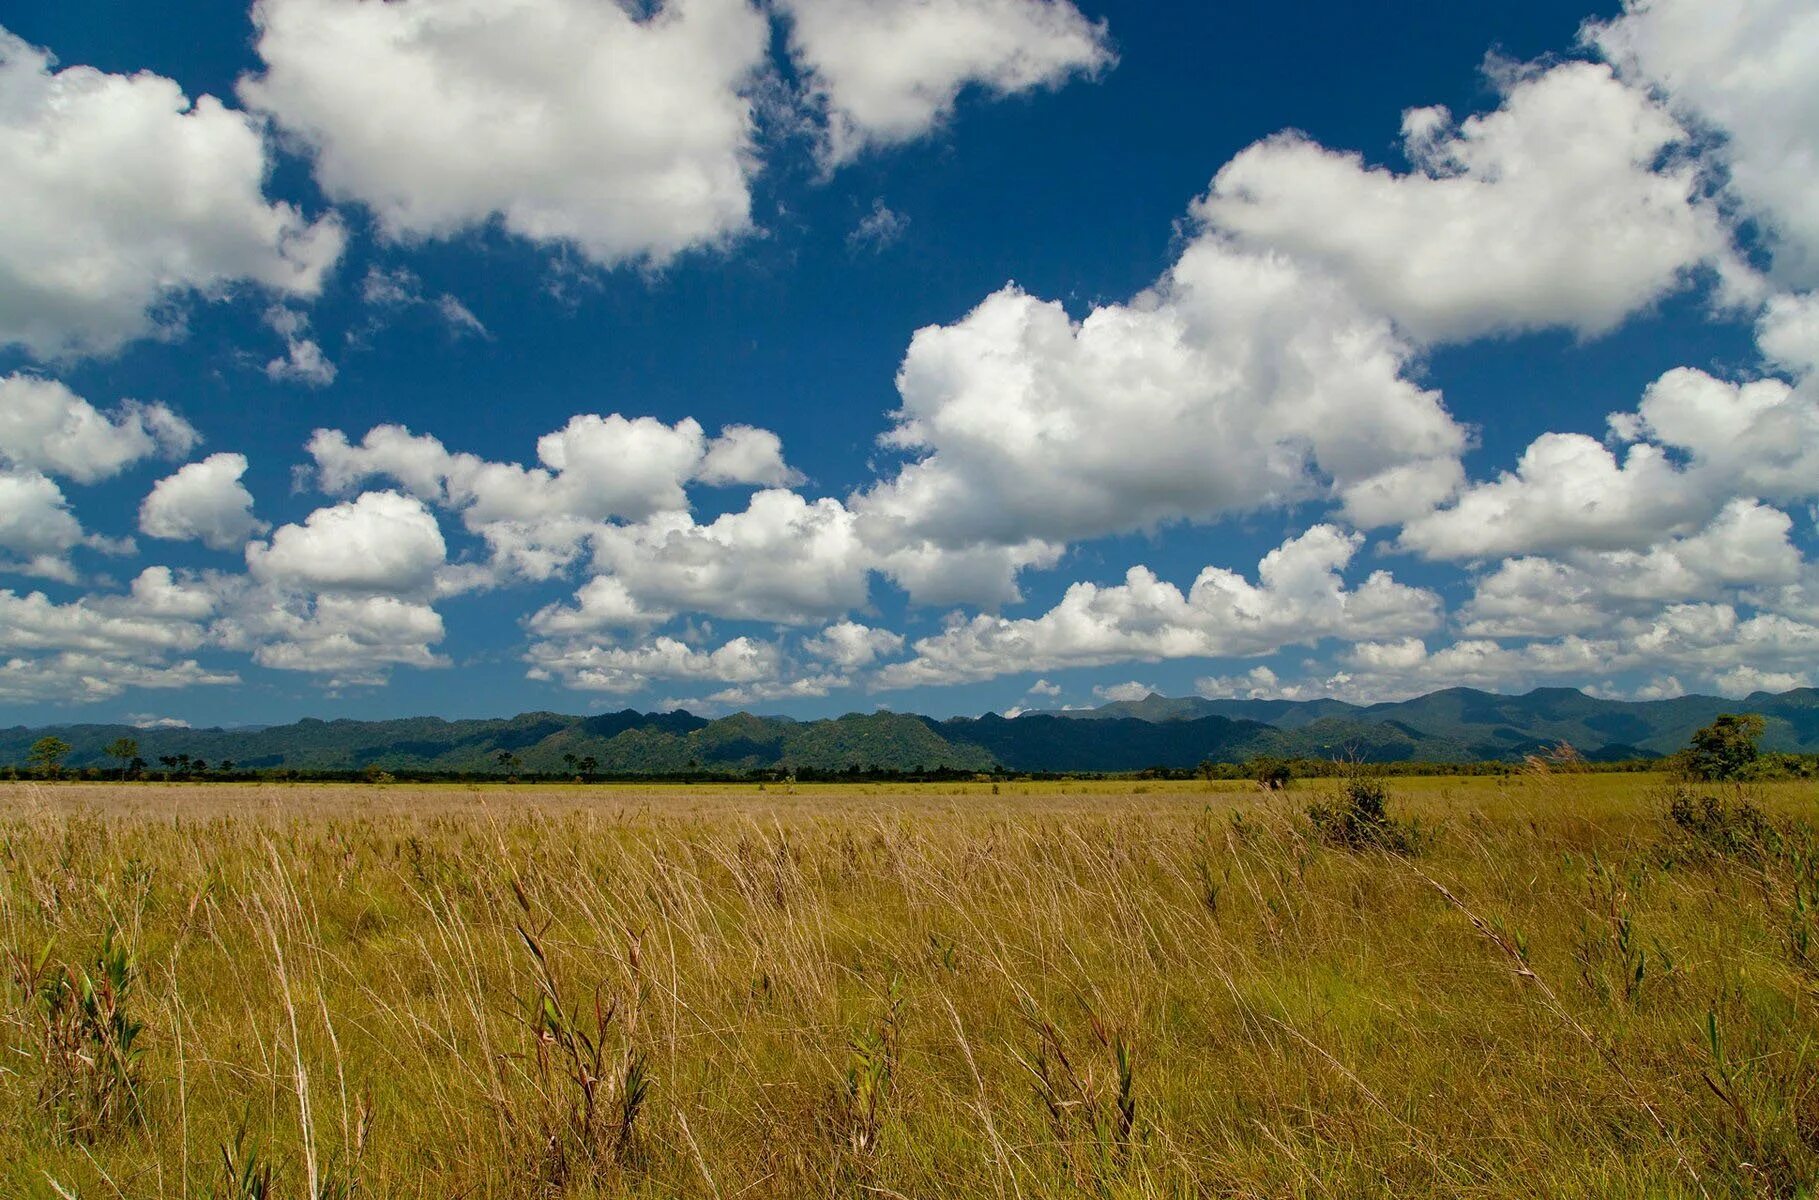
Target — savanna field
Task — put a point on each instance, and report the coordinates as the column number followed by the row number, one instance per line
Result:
column 1545, row 985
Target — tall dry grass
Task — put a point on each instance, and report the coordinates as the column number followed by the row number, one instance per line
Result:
column 1052, row 991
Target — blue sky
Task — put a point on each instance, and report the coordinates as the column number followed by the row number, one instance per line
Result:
column 468, row 358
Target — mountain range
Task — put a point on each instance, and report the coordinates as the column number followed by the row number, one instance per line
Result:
column 1450, row 726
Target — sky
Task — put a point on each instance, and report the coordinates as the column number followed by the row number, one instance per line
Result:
column 470, row 357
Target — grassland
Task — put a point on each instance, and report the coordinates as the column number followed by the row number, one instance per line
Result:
column 1028, row 991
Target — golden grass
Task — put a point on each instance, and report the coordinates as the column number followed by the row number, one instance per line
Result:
column 1120, row 990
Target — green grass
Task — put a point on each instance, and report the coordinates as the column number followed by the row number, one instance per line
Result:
column 1081, row 989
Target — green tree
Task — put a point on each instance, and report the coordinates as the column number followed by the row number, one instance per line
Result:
column 1723, row 750
column 47, row 754
column 124, row 751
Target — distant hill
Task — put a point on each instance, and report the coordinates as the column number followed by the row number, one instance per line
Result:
column 1455, row 725
column 1464, row 723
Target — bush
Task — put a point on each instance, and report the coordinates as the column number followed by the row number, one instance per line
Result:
column 1706, row 825
column 1358, row 818
column 1271, row 773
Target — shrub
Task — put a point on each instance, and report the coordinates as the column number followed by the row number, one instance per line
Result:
column 1271, row 773
column 1358, row 817
column 1705, row 825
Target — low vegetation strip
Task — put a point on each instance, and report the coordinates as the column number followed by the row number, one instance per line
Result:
column 1459, row 729
column 1558, row 984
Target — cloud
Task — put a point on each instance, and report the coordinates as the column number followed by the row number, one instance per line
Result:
column 884, row 72
column 302, row 362
column 1695, row 443
column 1748, row 69
column 351, row 639
column 850, row 645
column 1043, row 687
column 1742, row 681
column 1123, row 692
column 602, row 603
column 459, row 318
column 204, row 501
column 1258, row 683
column 72, row 678
column 594, row 467
column 591, row 666
column 1788, row 332
column 159, row 615
column 537, row 520
column 154, row 721
column 123, row 197
column 743, row 454
column 1759, row 437
column 98, row 646
column 381, row 542
column 1567, row 491
column 1573, row 204
column 1240, row 382
column 1712, row 644
column 1299, row 599
column 566, row 121
column 46, row 427
column 939, row 572
column 877, row 228
column 782, row 559
column 400, row 288
column 806, row 687
column 1745, row 546
column 37, row 525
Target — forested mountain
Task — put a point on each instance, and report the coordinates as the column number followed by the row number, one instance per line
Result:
column 1464, row 723
column 1455, row 725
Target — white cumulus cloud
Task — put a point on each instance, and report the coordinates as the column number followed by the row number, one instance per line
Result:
column 627, row 137
column 536, row 520
column 99, row 645
column 1299, row 598
column 1746, row 546
column 1567, row 206
column 1695, row 443
column 380, row 542
column 122, row 196
column 46, row 427
column 889, row 71
column 850, row 645
column 1240, row 382
column 1748, row 69
column 350, row 639
column 597, row 667
column 204, row 501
